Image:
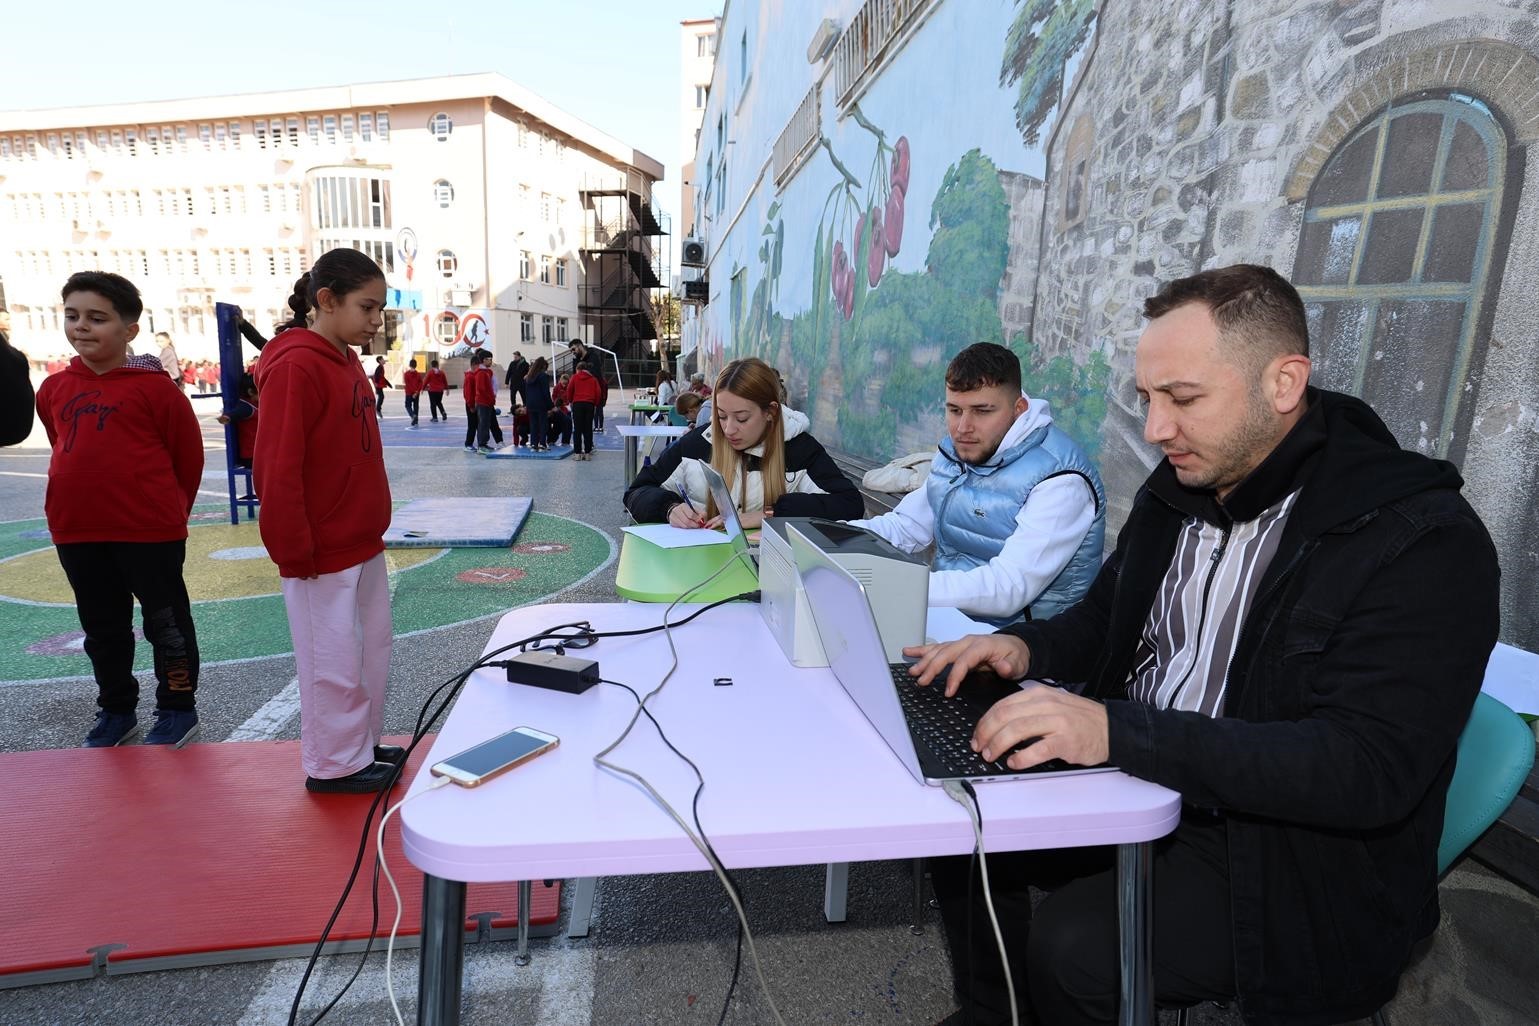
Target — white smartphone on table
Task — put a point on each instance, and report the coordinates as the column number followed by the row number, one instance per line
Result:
column 475, row 766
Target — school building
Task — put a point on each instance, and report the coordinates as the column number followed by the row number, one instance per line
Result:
column 497, row 217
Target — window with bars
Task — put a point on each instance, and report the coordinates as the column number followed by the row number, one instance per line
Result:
column 443, row 193
column 1394, row 261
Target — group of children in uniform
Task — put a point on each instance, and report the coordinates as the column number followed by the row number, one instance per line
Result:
column 127, row 462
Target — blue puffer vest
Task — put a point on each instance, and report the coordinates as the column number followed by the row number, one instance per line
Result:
column 975, row 509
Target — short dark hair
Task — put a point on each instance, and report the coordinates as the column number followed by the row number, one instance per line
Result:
column 114, row 288
column 340, row 270
column 981, row 365
column 1256, row 309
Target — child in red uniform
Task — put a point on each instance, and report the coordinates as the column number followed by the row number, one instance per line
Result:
column 437, row 385
column 411, row 381
column 586, row 394
column 380, row 384
column 243, row 414
column 320, row 474
column 127, row 459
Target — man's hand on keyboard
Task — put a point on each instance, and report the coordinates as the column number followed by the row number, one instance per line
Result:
column 1067, row 727
column 1005, row 654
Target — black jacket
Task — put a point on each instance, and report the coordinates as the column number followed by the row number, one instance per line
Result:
column 515, row 377
column 15, row 394
column 658, row 486
column 1354, row 673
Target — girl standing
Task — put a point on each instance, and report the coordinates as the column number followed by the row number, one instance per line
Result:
column 537, row 399
column 320, row 473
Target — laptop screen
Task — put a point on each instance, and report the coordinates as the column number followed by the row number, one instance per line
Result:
column 725, row 505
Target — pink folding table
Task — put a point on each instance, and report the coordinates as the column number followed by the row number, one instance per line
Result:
column 794, row 776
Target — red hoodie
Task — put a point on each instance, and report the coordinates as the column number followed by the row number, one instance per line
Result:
column 437, row 381
column 585, row 388
column 413, row 381
column 319, row 468
column 127, row 454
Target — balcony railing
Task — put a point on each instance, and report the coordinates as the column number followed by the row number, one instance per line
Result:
column 863, row 44
column 799, row 135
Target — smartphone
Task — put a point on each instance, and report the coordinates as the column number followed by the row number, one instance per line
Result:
column 475, row 766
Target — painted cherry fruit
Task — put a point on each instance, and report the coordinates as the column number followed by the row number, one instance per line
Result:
column 878, row 254
column 900, row 164
column 841, row 266
column 893, row 227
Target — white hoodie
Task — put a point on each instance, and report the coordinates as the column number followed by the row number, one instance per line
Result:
column 1048, row 531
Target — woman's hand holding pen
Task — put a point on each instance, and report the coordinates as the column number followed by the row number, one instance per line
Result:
column 683, row 513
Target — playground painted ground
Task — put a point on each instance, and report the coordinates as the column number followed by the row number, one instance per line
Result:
column 235, row 593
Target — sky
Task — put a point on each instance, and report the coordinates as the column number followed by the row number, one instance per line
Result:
column 613, row 63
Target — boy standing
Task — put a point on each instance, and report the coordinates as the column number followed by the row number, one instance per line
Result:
column 412, row 379
column 127, row 459
column 437, row 384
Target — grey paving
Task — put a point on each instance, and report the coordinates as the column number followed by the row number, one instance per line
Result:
column 660, row 950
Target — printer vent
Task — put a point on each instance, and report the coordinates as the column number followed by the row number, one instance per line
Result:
column 863, row 576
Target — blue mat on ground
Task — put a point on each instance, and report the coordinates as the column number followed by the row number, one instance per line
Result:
column 457, row 523
column 513, row 452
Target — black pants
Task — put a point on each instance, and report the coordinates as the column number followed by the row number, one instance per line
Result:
column 539, row 425
column 106, row 578
column 1065, row 960
column 436, row 405
column 379, row 402
column 582, row 427
column 560, row 426
column 412, row 402
column 473, row 433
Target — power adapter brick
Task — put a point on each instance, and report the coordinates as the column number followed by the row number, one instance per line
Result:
column 554, row 672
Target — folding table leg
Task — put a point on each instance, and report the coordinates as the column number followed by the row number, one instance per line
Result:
column 581, row 914
column 836, row 886
column 917, row 926
column 525, row 899
column 442, row 957
column 1135, row 872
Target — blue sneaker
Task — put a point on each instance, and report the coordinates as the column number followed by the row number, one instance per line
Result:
column 173, row 727
column 112, row 729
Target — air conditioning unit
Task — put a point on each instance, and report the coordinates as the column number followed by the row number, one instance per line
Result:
column 692, row 253
column 823, row 40
column 697, row 292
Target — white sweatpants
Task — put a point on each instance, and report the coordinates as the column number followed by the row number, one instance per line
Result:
column 340, row 624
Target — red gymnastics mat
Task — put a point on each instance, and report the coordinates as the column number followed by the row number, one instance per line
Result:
column 123, row 860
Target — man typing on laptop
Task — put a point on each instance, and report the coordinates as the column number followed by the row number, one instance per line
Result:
column 1291, row 633
column 1013, row 506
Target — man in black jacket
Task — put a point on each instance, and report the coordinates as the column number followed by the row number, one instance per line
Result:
column 15, row 388
column 518, row 369
column 1291, row 632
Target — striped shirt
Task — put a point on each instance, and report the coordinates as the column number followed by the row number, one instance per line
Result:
column 1193, row 626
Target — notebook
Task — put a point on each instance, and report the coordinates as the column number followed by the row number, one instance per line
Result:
column 928, row 732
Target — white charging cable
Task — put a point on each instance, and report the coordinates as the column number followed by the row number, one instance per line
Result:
column 964, row 796
column 379, row 853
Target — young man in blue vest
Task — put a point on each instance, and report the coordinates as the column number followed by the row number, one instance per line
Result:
column 1013, row 506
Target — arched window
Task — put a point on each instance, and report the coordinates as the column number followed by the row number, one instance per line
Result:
column 448, row 263
column 440, row 125
column 443, row 192
column 446, row 327
column 1394, row 258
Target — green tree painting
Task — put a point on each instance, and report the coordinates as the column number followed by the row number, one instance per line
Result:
column 1042, row 38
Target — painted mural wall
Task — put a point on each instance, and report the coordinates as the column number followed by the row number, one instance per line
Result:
column 1028, row 171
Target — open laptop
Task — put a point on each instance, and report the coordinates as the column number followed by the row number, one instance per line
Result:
column 729, row 518
column 928, row 732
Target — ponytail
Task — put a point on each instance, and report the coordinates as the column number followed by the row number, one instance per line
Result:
column 299, row 302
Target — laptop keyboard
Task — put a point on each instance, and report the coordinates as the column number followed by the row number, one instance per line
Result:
column 944, row 725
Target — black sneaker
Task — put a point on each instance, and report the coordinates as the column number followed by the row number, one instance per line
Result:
column 173, row 727
column 112, row 729
column 374, row 777
column 389, row 753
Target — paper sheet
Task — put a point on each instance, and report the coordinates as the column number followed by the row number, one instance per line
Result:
column 666, row 536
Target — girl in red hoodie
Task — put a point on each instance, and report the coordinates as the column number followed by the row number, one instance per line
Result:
column 320, row 474
column 586, row 394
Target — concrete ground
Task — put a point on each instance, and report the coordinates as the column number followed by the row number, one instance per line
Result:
column 660, row 950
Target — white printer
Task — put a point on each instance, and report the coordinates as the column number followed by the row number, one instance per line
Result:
column 897, row 585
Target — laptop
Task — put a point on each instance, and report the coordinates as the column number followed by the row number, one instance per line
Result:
column 736, row 536
column 928, row 732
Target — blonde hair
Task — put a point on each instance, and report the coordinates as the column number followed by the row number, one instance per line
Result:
column 755, row 381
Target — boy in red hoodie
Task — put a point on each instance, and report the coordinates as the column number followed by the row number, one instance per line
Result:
column 437, row 385
column 586, row 395
column 412, row 381
column 320, row 474
column 127, row 459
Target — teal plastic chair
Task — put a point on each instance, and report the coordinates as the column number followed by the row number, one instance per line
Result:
column 1496, row 754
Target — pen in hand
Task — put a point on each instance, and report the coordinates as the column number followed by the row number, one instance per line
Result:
column 684, row 494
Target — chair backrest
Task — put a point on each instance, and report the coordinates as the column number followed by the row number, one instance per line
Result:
column 1496, row 753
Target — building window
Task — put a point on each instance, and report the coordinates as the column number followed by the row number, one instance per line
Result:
column 235, row 135
column 545, row 268
column 292, row 124
column 446, row 328
column 443, row 193
column 545, row 207
column 525, row 265
column 347, row 128
column 561, row 271
column 705, row 45
column 523, row 201
column 440, row 125
column 523, row 137
column 1394, row 259
column 448, row 263
column 547, row 329
column 701, row 94
column 330, row 124
column 366, row 126
column 313, row 128
column 382, row 125
column 560, row 329
column 526, row 328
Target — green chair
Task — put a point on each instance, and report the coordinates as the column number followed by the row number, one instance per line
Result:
column 1496, row 753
